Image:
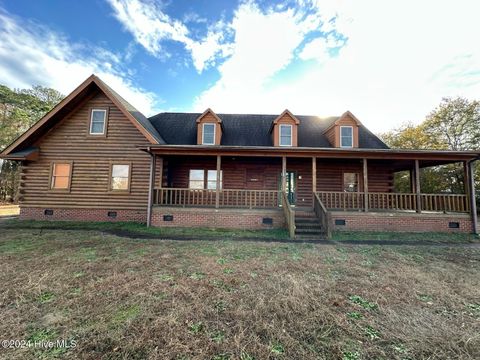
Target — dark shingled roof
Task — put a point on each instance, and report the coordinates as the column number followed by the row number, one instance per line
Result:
column 142, row 119
column 253, row 130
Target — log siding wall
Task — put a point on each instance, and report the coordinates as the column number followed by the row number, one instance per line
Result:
column 264, row 174
column 92, row 157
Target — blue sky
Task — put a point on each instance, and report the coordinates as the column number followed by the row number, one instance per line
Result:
column 386, row 61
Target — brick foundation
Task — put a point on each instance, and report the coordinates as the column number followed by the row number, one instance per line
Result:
column 218, row 218
column 401, row 222
column 28, row 213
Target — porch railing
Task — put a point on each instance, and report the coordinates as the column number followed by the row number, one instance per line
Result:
column 341, row 200
column 457, row 203
column 235, row 198
column 323, row 215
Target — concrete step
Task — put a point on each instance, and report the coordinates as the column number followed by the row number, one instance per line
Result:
column 308, row 226
column 309, row 231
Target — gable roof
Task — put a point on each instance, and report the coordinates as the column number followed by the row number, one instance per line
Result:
column 254, row 130
column 71, row 102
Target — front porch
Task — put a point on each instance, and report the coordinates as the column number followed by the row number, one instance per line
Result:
column 216, row 188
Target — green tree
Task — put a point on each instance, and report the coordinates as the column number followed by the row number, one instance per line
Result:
column 19, row 110
column 453, row 125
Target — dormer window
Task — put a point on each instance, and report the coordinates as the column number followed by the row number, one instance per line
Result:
column 346, row 136
column 98, row 121
column 208, row 134
column 285, row 134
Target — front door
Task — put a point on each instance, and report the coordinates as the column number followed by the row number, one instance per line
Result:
column 291, row 186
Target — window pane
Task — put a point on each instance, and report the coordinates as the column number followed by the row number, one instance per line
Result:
column 212, row 175
column 285, row 130
column 120, row 171
column 350, row 182
column 119, row 183
column 346, row 136
column 347, row 131
column 97, row 122
column 60, row 182
column 208, row 133
column 61, row 170
column 196, row 180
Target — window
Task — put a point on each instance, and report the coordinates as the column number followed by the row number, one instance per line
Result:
column 346, row 136
column 204, row 179
column 196, row 179
column 97, row 121
column 350, row 182
column 212, row 179
column 208, row 134
column 120, row 177
column 61, row 173
column 285, row 135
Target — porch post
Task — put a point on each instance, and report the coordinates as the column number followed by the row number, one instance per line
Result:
column 471, row 190
column 217, row 189
column 284, row 173
column 417, row 186
column 150, row 189
column 314, row 175
column 365, row 184
column 466, row 178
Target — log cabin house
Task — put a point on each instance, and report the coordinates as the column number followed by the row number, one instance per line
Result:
column 94, row 157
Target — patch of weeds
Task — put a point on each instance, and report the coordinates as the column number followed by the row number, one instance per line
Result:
column 78, row 274
column 425, row 297
column 197, row 276
column 253, row 274
column 76, row 291
column 125, row 315
column 277, row 349
column 474, row 309
column 228, row 271
column 417, row 258
column 221, row 357
column 222, row 261
column 220, row 306
column 89, row 254
column 218, row 336
column 367, row 305
column 222, row 285
column 46, row 297
column 351, row 355
column 246, row 356
column 165, row 277
column 196, row 328
column 372, row 333
column 400, row 348
column 160, row 296
column 38, row 335
column 354, row 315
column 367, row 262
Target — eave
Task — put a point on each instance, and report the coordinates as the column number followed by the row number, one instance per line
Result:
column 261, row 151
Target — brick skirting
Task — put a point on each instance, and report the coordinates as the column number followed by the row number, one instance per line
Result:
column 402, row 222
column 29, row 213
column 217, row 218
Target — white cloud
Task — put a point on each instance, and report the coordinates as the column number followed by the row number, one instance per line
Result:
column 400, row 59
column 151, row 26
column 33, row 55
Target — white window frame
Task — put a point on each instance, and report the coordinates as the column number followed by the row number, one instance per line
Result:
column 341, row 145
column 104, row 121
column 214, row 133
column 280, row 134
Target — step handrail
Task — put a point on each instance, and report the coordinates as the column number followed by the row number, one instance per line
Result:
column 323, row 215
column 289, row 215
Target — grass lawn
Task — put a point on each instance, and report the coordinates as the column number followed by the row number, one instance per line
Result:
column 122, row 298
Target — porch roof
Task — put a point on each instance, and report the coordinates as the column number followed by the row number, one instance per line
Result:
column 428, row 157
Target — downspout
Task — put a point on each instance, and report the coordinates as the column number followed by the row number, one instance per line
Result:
column 150, row 187
column 473, row 203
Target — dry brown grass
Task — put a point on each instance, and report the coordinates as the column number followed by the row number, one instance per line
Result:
column 136, row 299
